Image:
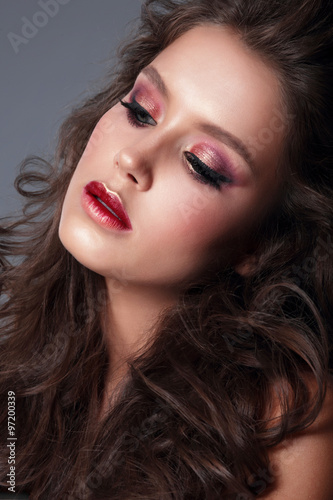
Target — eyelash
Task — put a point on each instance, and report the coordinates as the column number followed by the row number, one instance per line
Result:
column 134, row 110
column 198, row 169
column 203, row 173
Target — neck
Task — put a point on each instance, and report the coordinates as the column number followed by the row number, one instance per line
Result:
column 132, row 313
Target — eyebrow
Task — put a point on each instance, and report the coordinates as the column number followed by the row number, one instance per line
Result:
column 229, row 139
column 215, row 131
column 153, row 75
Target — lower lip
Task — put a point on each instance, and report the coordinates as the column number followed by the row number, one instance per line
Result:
column 100, row 214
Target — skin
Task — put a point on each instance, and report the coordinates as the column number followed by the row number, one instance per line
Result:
column 183, row 229
column 301, row 466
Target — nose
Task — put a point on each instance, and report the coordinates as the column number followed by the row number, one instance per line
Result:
column 133, row 165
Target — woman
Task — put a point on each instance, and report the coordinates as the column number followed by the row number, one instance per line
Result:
column 167, row 331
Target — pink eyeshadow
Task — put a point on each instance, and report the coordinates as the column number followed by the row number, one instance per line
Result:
column 216, row 160
column 145, row 99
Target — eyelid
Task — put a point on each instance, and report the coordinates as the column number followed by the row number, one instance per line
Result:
column 142, row 108
column 144, row 93
column 133, row 108
column 134, row 104
column 152, row 76
column 215, row 156
column 207, row 174
column 222, row 169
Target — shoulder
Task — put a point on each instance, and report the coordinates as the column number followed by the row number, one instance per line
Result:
column 301, row 466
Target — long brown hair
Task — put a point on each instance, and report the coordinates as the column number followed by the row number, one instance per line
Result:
column 193, row 419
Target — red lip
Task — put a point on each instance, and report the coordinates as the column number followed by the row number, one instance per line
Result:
column 105, row 207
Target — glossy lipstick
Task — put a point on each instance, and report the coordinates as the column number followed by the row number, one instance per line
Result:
column 105, row 207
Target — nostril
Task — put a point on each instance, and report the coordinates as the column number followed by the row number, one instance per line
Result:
column 133, row 178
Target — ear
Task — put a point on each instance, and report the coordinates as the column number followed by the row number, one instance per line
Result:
column 246, row 264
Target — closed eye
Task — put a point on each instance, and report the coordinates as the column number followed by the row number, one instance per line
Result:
column 137, row 115
column 203, row 173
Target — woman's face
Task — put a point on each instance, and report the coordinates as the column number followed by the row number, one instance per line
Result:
column 192, row 151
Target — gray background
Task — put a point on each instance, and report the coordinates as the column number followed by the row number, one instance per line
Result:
column 43, row 78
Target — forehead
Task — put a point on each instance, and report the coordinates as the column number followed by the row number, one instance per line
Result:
column 210, row 72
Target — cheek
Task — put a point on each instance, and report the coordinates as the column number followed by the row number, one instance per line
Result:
column 192, row 201
column 190, row 217
column 204, row 223
column 104, row 129
column 112, row 128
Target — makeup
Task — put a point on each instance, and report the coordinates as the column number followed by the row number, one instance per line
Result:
column 214, row 158
column 209, row 164
column 148, row 97
column 136, row 114
column 105, row 207
column 143, row 105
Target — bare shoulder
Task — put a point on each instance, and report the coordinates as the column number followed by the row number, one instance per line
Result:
column 301, row 467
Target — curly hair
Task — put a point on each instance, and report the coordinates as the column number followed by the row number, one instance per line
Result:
column 193, row 418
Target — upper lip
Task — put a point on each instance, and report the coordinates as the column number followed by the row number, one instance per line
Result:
column 111, row 200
